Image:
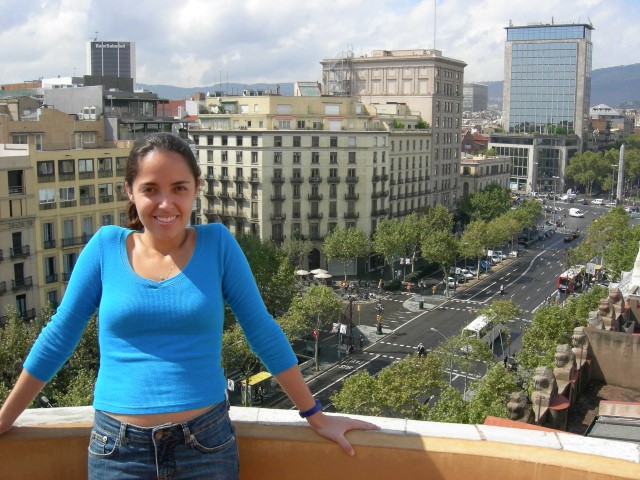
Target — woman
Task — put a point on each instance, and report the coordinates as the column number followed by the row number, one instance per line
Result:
column 159, row 288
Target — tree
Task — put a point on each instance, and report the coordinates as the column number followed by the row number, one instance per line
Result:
column 490, row 394
column 586, row 169
column 401, row 390
column 501, row 313
column 474, row 241
column 345, row 245
column 487, row 204
column 296, row 250
column 450, row 407
column 272, row 271
column 387, row 241
column 441, row 247
column 412, row 229
column 423, row 125
column 317, row 307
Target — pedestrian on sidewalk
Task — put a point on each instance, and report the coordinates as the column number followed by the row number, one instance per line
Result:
column 422, row 352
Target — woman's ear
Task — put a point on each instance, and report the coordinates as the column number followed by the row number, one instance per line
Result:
column 127, row 189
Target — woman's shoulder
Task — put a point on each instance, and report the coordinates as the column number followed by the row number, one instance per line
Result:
column 111, row 233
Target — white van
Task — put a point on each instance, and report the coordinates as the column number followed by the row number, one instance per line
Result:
column 576, row 212
column 597, row 201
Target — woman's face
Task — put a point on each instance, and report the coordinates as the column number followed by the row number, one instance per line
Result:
column 163, row 192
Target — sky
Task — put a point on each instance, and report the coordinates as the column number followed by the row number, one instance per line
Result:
column 194, row 43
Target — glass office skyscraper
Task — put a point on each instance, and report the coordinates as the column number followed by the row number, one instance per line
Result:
column 547, row 79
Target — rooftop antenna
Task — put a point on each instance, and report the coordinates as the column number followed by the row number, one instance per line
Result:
column 435, row 2
column 95, row 39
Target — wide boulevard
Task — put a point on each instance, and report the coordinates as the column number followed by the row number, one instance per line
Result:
column 529, row 280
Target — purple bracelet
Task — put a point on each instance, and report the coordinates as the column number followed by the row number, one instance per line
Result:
column 315, row 409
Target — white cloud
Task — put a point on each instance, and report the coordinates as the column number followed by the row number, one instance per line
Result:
column 199, row 42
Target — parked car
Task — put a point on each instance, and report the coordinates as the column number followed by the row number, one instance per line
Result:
column 611, row 205
column 450, row 282
column 496, row 259
column 473, row 270
column 485, row 265
column 597, row 201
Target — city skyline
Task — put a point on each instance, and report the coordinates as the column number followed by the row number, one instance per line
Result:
column 206, row 42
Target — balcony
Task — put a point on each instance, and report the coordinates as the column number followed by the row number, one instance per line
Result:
column 238, row 178
column 274, row 444
column 21, row 283
column 46, row 178
column 278, row 217
column 379, row 212
column 238, row 196
column 351, row 179
column 86, row 175
column 68, row 203
column 381, row 193
column 76, row 241
column 278, row 197
column 315, row 196
column 333, row 179
column 351, row 196
column 314, row 179
column 376, row 178
column 105, row 199
column 222, row 194
column 224, row 178
column 238, row 213
column 19, row 252
column 3, row 288
column 47, row 206
column 351, row 214
column 254, row 179
column 87, row 200
column 105, row 173
column 278, row 180
column 223, row 213
column 209, row 193
column 314, row 215
column 51, row 278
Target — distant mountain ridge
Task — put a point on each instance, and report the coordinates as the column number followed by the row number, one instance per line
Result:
column 618, row 87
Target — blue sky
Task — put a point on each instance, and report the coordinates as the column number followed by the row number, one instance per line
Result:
column 198, row 42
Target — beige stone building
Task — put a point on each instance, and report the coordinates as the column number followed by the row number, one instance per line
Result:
column 480, row 171
column 297, row 167
column 430, row 84
column 59, row 182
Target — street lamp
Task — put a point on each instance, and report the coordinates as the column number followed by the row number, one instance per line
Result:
column 447, row 339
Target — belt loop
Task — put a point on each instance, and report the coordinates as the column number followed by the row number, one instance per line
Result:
column 123, row 434
column 187, row 433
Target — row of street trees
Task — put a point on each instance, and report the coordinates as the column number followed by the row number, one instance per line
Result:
column 594, row 170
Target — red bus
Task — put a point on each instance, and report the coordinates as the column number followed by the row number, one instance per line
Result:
column 571, row 280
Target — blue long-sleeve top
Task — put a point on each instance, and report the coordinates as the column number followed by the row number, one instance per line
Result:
column 160, row 342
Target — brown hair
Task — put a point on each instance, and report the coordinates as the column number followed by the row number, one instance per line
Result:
column 163, row 142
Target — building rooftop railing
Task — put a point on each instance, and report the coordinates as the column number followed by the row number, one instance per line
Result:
column 276, row 444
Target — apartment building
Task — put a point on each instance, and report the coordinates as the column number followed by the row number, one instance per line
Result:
column 480, row 171
column 297, row 167
column 430, row 84
column 59, row 182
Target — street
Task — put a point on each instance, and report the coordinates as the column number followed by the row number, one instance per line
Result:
column 529, row 281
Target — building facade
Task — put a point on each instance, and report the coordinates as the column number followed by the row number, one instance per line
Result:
column 475, row 97
column 297, row 167
column 538, row 162
column 111, row 59
column 480, row 171
column 430, row 84
column 547, row 79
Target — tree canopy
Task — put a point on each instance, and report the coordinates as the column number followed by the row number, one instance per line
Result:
column 345, row 245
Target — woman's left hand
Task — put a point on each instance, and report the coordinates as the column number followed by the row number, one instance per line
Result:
column 334, row 427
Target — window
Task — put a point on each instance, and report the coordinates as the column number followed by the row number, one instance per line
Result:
column 296, row 190
column 15, row 179
column 333, row 191
column 254, row 157
column 333, row 209
column 296, row 141
column 20, row 138
column 224, row 156
column 239, row 140
column 333, row 157
column 315, row 141
column 315, row 157
column 50, row 269
column 301, row 125
column 85, row 168
column 46, row 170
column 67, row 194
column 224, row 140
column 48, row 238
column 296, row 157
column 239, row 156
column 277, row 141
column 333, row 141
column 105, row 193
column 46, row 195
column 52, row 298
column 284, row 124
column 254, row 140
column 66, row 170
column 296, row 210
column 38, row 141
column 107, row 219
column 352, row 157
column 277, row 157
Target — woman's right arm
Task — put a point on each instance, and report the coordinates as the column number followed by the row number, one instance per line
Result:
column 23, row 393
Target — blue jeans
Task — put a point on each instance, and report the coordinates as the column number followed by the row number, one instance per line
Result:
column 202, row 447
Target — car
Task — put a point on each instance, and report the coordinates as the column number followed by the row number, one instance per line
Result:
column 597, row 201
column 576, row 212
column 496, row 259
column 472, row 270
column 611, row 205
column 485, row 265
column 450, row 282
column 583, row 201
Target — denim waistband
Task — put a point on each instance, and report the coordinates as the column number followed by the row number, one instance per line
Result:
column 105, row 424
